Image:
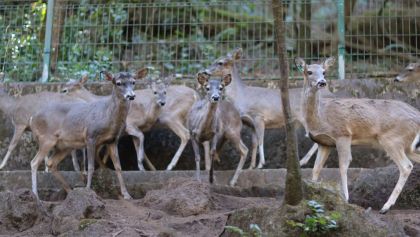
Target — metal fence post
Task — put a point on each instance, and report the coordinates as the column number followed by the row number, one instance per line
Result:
column 341, row 39
column 47, row 42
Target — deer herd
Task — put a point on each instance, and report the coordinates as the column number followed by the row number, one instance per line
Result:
column 78, row 119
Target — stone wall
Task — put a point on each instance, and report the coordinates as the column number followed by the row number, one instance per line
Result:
column 161, row 144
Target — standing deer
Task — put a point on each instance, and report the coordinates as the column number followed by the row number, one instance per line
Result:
column 214, row 119
column 67, row 126
column 409, row 74
column 259, row 107
column 173, row 115
column 20, row 110
column 392, row 125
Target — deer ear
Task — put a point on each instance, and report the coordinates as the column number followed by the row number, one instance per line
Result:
column 83, row 79
column 202, row 78
column 227, row 79
column 237, row 54
column 300, row 64
column 141, row 73
column 328, row 62
column 108, row 75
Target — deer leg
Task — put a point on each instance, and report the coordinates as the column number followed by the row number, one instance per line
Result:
column 91, row 145
column 15, row 139
column 308, row 155
column 217, row 142
column 404, row 165
column 321, row 158
column 75, row 161
column 253, row 151
column 53, row 162
column 243, row 151
column 146, row 159
column 207, row 156
column 43, row 150
column 139, row 143
column 113, row 151
column 184, row 135
column 85, row 160
column 259, row 129
column 196, row 149
column 344, row 158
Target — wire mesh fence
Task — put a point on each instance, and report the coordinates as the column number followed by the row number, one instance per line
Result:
column 381, row 36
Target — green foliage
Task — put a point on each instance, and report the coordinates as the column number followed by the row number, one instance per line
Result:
column 254, row 231
column 317, row 223
column 21, row 32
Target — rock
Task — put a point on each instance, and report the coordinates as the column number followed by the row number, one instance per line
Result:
column 372, row 188
column 19, row 211
column 80, row 204
column 181, row 196
column 354, row 220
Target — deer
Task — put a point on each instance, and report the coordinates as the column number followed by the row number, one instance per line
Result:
column 260, row 108
column 63, row 127
column 20, row 109
column 391, row 125
column 411, row 73
column 172, row 115
column 214, row 119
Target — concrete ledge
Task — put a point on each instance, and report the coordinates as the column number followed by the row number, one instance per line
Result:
column 105, row 182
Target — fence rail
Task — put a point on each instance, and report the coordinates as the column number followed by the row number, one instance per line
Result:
column 378, row 37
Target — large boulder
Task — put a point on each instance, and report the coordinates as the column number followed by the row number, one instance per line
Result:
column 373, row 187
column 81, row 205
column 20, row 210
column 181, row 196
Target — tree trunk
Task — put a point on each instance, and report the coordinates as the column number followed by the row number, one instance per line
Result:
column 294, row 191
column 59, row 14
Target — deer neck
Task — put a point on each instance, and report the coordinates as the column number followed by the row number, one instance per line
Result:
column 86, row 95
column 237, row 85
column 311, row 108
column 154, row 110
column 6, row 103
column 118, row 108
column 209, row 117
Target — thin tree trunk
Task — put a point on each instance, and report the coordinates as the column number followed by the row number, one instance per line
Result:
column 304, row 47
column 294, row 191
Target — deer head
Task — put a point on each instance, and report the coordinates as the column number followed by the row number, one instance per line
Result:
column 224, row 65
column 124, row 82
column 75, row 85
column 213, row 87
column 314, row 74
column 410, row 73
column 159, row 88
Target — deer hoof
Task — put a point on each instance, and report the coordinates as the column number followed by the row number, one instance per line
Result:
column 127, row 197
column 170, row 167
column 260, row 166
column 383, row 210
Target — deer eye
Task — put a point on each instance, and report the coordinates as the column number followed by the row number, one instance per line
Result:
column 118, row 83
column 155, row 92
column 309, row 72
column 220, row 63
column 164, row 92
column 410, row 69
column 323, row 73
column 207, row 88
column 133, row 82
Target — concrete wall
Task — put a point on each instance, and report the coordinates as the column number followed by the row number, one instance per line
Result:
column 161, row 144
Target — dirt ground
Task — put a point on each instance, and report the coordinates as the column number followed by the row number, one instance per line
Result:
column 183, row 207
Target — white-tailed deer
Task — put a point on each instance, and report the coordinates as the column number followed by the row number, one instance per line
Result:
column 68, row 126
column 392, row 125
column 411, row 73
column 259, row 107
column 173, row 115
column 20, row 109
column 214, row 119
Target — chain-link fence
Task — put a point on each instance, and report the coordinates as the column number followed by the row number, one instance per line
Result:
column 380, row 36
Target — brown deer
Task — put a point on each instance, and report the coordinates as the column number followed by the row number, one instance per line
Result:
column 172, row 115
column 411, row 73
column 392, row 125
column 214, row 119
column 20, row 109
column 259, row 107
column 67, row 126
